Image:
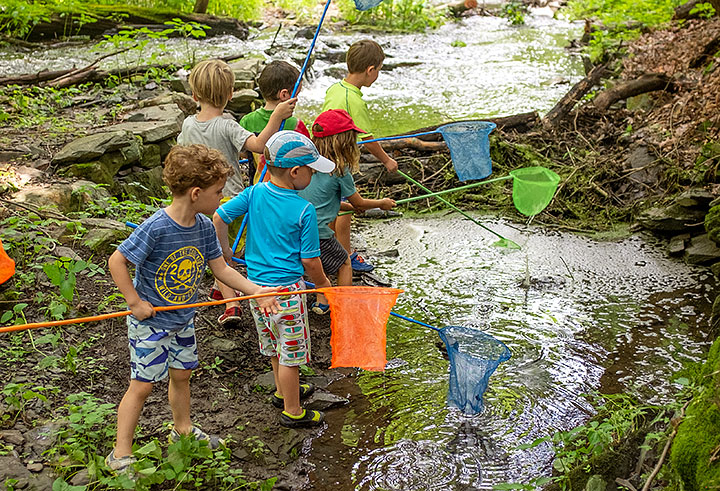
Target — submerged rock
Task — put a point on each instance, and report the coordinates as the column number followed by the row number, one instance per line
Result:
column 702, row 250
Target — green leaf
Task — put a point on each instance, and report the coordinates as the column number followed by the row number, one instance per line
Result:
column 67, row 287
column 6, row 316
column 682, row 381
column 53, row 272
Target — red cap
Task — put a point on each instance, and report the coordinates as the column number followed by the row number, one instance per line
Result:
column 332, row 122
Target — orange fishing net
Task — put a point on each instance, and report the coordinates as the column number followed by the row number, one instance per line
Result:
column 359, row 315
column 7, row 265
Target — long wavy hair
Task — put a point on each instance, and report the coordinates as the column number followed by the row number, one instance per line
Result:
column 341, row 148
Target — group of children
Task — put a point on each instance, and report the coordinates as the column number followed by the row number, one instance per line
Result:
column 293, row 230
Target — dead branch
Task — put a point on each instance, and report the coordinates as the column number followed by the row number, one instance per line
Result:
column 647, row 82
column 558, row 113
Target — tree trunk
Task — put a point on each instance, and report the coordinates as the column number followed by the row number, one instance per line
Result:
column 201, row 6
column 683, row 11
column 648, row 82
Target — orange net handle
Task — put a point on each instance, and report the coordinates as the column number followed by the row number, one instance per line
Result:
column 80, row 320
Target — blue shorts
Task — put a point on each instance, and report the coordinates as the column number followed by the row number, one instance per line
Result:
column 154, row 350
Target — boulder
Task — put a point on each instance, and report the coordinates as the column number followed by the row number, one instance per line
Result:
column 143, row 185
column 251, row 65
column 695, row 448
column 183, row 101
column 640, row 158
column 322, row 401
column 151, row 156
column 181, row 86
column 677, row 244
column 43, row 195
column 712, row 224
column 94, row 146
column 13, row 437
column 702, row 250
column 104, row 240
column 149, row 131
column 671, row 219
column 695, row 198
column 163, row 112
column 82, row 193
column 242, row 100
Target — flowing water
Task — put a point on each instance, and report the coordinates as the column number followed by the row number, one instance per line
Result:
column 578, row 315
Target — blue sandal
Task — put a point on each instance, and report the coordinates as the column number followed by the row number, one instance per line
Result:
column 320, row 308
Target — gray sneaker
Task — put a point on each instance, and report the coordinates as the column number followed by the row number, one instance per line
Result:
column 214, row 441
column 120, row 465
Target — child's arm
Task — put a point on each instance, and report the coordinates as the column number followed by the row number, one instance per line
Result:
column 221, row 229
column 313, row 268
column 283, row 111
column 233, row 279
column 360, row 203
column 377, row 150
column 118, row 265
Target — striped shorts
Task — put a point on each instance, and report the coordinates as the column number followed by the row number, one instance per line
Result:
column 332, row 255
column 153, row 350
column 285, row 334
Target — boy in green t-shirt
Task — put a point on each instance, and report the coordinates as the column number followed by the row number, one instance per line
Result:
column 364, row 61
column 276, row 83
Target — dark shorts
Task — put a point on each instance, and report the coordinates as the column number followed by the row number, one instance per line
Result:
column 332, row 255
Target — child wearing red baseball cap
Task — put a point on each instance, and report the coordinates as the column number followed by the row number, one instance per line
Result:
column 335, row 137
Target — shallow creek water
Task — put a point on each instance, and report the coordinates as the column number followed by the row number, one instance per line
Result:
column 596, row 316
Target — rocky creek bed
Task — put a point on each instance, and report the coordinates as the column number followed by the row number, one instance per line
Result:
column 648, row 160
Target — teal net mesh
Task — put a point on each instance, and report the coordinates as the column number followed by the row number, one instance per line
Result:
column 474, row 356
column 367, row 4
column 469, row 148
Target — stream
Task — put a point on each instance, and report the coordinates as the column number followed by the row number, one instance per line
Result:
column 578, row 315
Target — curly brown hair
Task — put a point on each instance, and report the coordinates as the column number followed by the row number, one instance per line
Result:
column 189, row 166
column 341, row 148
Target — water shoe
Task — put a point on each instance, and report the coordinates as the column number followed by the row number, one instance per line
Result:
column 359, row 264
column 214, row 441
column 306, row 391
column 308, row 418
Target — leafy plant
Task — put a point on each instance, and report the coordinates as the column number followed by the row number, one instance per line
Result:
column 515, row 11
column 704, row 10
column 17, row 396
column 15, row 315
column 187, row 30
column 400, row 15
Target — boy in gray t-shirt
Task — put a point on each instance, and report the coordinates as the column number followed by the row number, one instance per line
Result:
column 212, row 84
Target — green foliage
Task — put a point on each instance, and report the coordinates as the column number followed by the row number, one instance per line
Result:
column 16, row 397
column 62, row 274
column 30, row 107
column 15, row 315
column 458, row 44
column 624, row 18
column 399, row 15
column 515, row 12
column 703, row 10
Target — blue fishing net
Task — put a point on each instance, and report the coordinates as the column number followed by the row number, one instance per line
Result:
column 367, row 4
column 469, row 148
column 474, row 356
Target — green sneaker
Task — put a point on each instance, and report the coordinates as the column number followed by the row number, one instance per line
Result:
column 307, row 419
column 306, row 391
column 214, row 441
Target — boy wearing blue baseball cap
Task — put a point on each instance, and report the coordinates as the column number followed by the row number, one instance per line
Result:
column 282, row 245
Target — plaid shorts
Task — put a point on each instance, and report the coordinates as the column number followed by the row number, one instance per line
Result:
column 285, row 334
column 332, row 255
column 153, row 350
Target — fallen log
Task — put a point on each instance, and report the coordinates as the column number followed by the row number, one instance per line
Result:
column 521, row 122
column 33, row 78
column 707, row 54
column 647, row 82
column 558, row 113
column 108, row 18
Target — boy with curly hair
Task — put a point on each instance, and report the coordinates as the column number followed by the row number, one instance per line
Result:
column 170, row 251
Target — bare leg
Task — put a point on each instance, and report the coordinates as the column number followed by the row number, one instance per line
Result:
column 128, row 415
column 342, row 231
column 179, row 397
column 289, row 378
column 275, row 363
column 344, row 275
column 227, row 292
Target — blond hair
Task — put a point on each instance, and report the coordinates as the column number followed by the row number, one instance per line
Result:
column 363, row 54
column 189, row 166
column 341, row 148
column 212, row 82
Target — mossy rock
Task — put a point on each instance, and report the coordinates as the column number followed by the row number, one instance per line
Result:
column 712, row 224
column 695, row 453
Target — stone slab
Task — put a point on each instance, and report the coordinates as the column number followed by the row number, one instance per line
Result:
column 149, row 131
column 94, row 146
